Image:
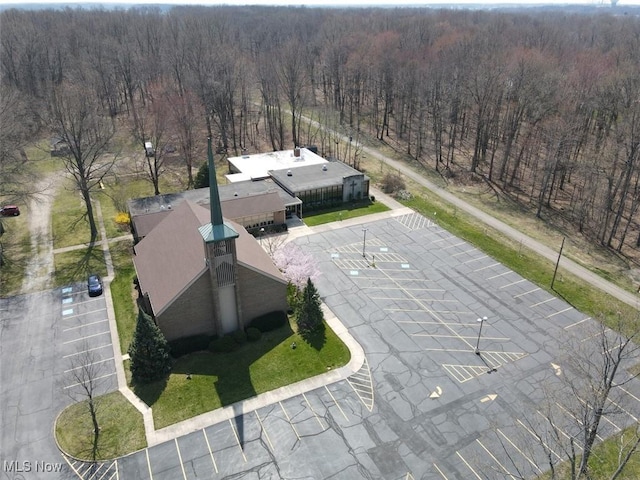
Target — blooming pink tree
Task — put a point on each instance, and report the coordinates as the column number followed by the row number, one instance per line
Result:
column 296, row 265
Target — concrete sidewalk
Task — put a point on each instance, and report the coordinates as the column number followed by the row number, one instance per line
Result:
column 154, row 436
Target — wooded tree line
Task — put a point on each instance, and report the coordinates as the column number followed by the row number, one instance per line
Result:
column 544, row 106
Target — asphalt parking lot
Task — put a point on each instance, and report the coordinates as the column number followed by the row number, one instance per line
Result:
column 424, row 404
column 42, row 337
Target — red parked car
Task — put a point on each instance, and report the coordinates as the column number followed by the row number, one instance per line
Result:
column 10, row 211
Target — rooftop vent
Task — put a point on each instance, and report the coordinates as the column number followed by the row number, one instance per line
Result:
column 235, row 194
column 289, row 174
column 169, row 207
column 296, row 152
column 324, row 168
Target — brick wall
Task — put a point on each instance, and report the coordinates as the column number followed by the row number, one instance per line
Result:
column 259, row 294
column 191, row 313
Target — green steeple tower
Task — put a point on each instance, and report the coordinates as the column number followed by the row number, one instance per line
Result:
column 217, row 230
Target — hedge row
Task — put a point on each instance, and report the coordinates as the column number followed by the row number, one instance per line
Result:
column 259, row 325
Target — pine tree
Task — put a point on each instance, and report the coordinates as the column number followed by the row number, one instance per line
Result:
column 308, row 312
column 202, row 177
column 149, row 351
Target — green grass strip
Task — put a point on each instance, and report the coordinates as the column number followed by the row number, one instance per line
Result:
column 218, row 380
column 342, row 213
column 121, row 429
column 579, row 294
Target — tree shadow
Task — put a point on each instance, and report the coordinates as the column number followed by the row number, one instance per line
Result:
column 81, row 263
column 232, row 370
column 316, row 338
column 150, row 392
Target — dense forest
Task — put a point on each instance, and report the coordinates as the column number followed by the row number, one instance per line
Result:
column 543, row 106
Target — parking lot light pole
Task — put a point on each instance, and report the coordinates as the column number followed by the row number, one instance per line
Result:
column 364, row 242
column 481, row 320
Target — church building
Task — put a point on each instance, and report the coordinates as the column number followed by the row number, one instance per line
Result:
column 199, row 273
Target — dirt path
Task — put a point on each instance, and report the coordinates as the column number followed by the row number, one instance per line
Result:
column 38, row 273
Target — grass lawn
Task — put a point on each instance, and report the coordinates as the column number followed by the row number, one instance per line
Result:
column 16, row 252
column 122, row 292
column 75, row 266
column 342, row 213
column 604, row 460
column 121, row 428
column 218, row 379
column 69, row 223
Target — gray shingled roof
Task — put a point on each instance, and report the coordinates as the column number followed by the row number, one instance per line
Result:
column 172, row 256
column 313, row 176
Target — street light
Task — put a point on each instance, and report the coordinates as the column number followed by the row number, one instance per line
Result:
column 481, row 320
column 364, row 241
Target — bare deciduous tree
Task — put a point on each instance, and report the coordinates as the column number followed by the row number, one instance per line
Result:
column 85, row 378
column 584, row 404
column 86, row 129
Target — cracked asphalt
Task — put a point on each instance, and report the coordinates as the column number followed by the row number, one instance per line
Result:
column 424, row 404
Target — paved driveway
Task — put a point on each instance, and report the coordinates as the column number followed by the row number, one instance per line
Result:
column 424, row 404
column 41, row 337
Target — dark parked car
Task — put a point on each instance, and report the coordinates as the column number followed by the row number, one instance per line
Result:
column 10, row 211
column 94, row 285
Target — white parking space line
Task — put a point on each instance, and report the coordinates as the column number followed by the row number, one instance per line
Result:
column 526, row 293
column 487, row 267
column 512, row 283
column 617, row 405
column 314, row 412
column 468, row 465
column 550, row 299
column 88, row 365
column 629, row 393
column 406, row 289
column 519, row 451
column 146, row 451
column 97, row 378
column 453, row 245
column 434, row 335
column 88, row 336
column 591, row 337
column 265, row 433
column 577, row 323
column 289, row 420
column 86, row 351
column 430, row 311
column 440, row 472
column 559, row 312
column 471, row 250
column 576, row 419
column 235, row 433
column 538, row 439
column 417, row 322
column 444, row 239
column 184, row 474
column 504, row 469
column 558, row 429
column 501, row 274
column 213, row 460
column 475, row 259
column 85, row 325
column 336, row 403
column 68, row 316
